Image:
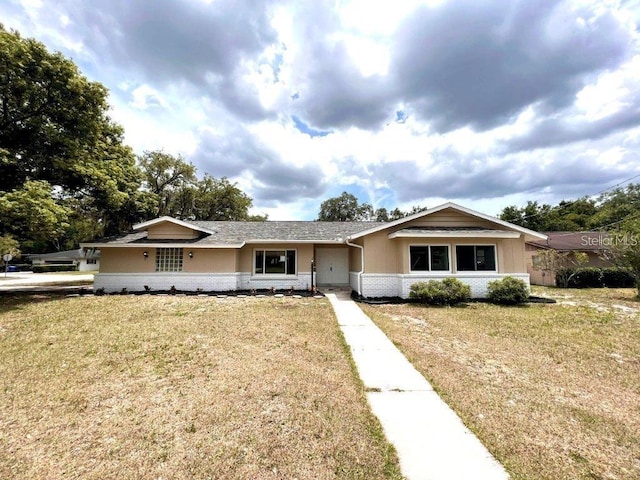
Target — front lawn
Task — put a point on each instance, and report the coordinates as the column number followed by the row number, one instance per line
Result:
column 553, row 390
column 176, row 387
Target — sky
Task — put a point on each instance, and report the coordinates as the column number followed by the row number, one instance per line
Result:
column 412, row 102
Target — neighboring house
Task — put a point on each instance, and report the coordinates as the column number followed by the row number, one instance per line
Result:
column 594, row 244
column 375, row 259
column 85, row 259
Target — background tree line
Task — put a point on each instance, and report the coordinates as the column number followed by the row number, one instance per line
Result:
column 612, row 210
column 347, row 208
column 66, row 175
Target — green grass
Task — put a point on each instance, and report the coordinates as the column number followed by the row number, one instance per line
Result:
column 552, row 390
column 147, row 387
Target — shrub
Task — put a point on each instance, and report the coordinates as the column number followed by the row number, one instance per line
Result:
column 617, row 278
column 508, row 291
column 588, row 277
column 449, row 291
column 594, row 277
column 54, row 268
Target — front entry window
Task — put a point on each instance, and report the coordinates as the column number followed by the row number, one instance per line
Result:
column 275, row 262
column 425, row 258
column 472, row 258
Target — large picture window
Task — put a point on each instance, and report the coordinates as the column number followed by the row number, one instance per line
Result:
column 168, row 259
column 275, row 262
column 472, row 258
column 425, row 258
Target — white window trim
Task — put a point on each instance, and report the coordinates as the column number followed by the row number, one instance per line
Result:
column 478, row 272
column 273, row 275
column 433, row 272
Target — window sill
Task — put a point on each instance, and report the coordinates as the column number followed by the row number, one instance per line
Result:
column 273, row 276
column 430, row 272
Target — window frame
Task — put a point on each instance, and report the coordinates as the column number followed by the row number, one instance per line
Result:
column 475, row 258
column 287, row 268
column 428, row 246
column 171, row 264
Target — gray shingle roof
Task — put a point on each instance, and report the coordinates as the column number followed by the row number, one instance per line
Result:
column 233, row 233
column 76, row 254
column 580, row 241
column 282, row 230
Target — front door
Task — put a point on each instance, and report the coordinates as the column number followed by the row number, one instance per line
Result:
column 332, row 266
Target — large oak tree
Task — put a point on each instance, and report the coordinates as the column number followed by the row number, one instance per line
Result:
column 55, row 130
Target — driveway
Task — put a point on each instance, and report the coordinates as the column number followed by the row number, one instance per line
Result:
column 25, row 280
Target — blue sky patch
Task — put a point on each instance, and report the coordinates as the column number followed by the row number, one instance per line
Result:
column 304, row 128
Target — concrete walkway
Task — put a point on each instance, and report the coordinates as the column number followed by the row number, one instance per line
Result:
column 431, row 440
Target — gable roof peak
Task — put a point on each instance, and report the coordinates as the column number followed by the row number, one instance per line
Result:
column 529, row 234
column 166, row 218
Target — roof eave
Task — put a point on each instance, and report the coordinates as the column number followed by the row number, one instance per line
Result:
column 276, row 241
column 163, row 245
column 454, row 234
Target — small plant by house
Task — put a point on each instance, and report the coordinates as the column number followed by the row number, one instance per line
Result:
column 508, row 291
column 449, row 291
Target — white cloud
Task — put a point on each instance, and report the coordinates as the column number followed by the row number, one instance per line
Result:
column 418, row 102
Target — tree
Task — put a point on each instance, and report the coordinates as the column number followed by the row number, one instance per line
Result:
column 50, row 115
column 532, row 216
column 344, row 208
column 219, row 199
column 165, row 176
column 179, row 194
column 558, row 264
column 55, row 128
column 32, row 215
column 625, row 248
column 616, row 206
column 9, row 245
column 573, row 216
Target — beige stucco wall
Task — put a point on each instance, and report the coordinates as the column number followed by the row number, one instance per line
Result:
column 384, row 255
column 215, row 260
column 126, row 260
column 355, row 257
column 171, row 231
column 131, row 260
column 303, row 256
column 381, row 255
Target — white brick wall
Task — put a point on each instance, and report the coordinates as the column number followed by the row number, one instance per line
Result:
column 380, row 285
column 115, row 282
column 392, row 285
column 221, row 282
column 373, row 285
column 302, row 281
column 353, row 281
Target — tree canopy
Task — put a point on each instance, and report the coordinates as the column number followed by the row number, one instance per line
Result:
column 180, row 194
column 606, row 212
column 347, row 208
column 67, row 175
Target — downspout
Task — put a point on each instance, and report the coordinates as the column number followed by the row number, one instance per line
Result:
column 361, row 264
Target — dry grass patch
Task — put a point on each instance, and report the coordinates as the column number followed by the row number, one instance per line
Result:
column 181, row 387
column 552, row 390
